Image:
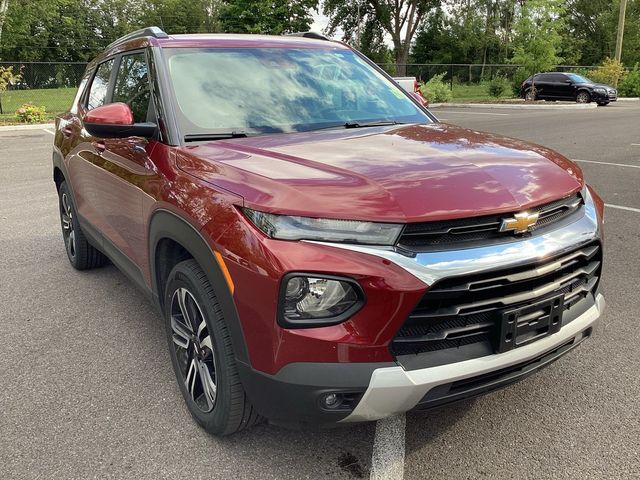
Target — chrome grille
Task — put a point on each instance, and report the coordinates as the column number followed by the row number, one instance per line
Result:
column 425, row 236
column 466, row 310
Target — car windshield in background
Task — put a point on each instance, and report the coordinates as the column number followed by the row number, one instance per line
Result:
column 275, row 90
column 578, row 78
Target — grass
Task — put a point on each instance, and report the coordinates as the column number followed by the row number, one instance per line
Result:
column 55, row 100
column 476, row 93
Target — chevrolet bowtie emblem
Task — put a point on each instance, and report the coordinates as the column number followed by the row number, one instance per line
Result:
column 519, row 223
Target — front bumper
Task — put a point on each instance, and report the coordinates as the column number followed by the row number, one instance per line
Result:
column 394, row 390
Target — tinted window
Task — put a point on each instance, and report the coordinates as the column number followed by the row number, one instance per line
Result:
column 579, row 78
column 98, row 92
column 132, row 85
column 558, row 77
column 545, row 77
column 272, row 90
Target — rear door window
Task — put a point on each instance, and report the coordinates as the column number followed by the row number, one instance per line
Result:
column 132, row 85
column 100, row 85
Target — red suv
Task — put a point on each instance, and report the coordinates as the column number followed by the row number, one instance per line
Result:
column 320, row 247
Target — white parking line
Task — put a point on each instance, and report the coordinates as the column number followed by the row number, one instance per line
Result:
column 607, row 163
column 48, row 131
column 387, row 459
column 469, row 113
column 622, row 207
column 635, row 144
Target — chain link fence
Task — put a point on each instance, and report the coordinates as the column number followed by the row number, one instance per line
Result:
column 48, row 84
column 53, row 84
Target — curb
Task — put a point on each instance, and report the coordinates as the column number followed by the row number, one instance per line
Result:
column 518, row 106
column 38, row 126
column 628, row 99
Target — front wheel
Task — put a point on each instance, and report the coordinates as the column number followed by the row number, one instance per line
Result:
column 530, row 95
column 583, row 97
column 202, row 355
column 603, row 104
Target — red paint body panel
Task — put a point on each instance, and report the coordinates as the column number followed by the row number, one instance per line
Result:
column 112, row 114
column 398, row 174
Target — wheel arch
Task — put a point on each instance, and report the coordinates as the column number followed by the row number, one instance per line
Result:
column 59, row 173
column 173, row 239
column 583, row 89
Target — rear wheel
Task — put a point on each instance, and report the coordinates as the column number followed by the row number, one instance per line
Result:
column 202, row 354
column 82, row 255
column 583, row 97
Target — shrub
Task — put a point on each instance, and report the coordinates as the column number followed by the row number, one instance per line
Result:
column 610, row 72
column 498, row 87
column 436, row 90
column 29, row 113
column 519, row 76
column 7, row 77
column 630, row 84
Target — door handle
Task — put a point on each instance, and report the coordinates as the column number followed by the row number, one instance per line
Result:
column 99, row 146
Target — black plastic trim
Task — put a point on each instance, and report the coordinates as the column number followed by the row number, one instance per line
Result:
column 291, row 396
column 318, row 322
column 119, row 259
column 475, row 386
column 166, row 224
column 145, row 129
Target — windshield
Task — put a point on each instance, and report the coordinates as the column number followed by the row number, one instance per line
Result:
column 578, row 78
column 275, row 90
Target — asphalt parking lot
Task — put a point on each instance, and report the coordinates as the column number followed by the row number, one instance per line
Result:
column 87, row 389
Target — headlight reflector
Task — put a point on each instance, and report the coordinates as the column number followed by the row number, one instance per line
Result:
column 316, row 301
column 286, row 227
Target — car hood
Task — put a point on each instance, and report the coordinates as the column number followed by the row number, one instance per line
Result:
column 596, row 85
column 397, row 174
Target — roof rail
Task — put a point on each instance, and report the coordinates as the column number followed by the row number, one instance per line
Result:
column 156, row 32
column 314, row 35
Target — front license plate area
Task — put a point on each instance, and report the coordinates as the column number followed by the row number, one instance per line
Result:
column 527, row 324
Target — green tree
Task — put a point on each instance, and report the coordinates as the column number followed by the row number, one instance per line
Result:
column 537, row 37
column 268, row 17
column 399, row 19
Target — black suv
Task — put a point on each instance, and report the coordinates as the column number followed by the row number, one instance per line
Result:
column 566, row 86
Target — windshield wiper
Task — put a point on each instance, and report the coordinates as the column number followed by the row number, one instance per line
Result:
column 353, row 124
column 380, row 123
column 197, row 137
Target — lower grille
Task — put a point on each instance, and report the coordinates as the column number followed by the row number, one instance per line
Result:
column 466, row 310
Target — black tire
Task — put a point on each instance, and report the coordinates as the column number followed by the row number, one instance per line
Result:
column 583, row 97
column 531, row 95
column 82, row 255
column 603, row 104
column 221, row 408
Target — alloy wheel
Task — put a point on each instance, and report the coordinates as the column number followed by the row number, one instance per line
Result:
column 66, row 214
column 583, row 97
column 194, row 349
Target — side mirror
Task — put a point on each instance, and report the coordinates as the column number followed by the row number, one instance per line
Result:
column 115, row 120
column 420, row 99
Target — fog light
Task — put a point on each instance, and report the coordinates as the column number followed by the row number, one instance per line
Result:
column 332, row 400
column 310, row 301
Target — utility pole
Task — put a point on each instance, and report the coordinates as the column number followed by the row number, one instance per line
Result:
column 623, row 12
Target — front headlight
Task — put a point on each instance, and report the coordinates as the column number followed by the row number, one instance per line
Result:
column 312, row 300
column 600, row 90
column 286, row 227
